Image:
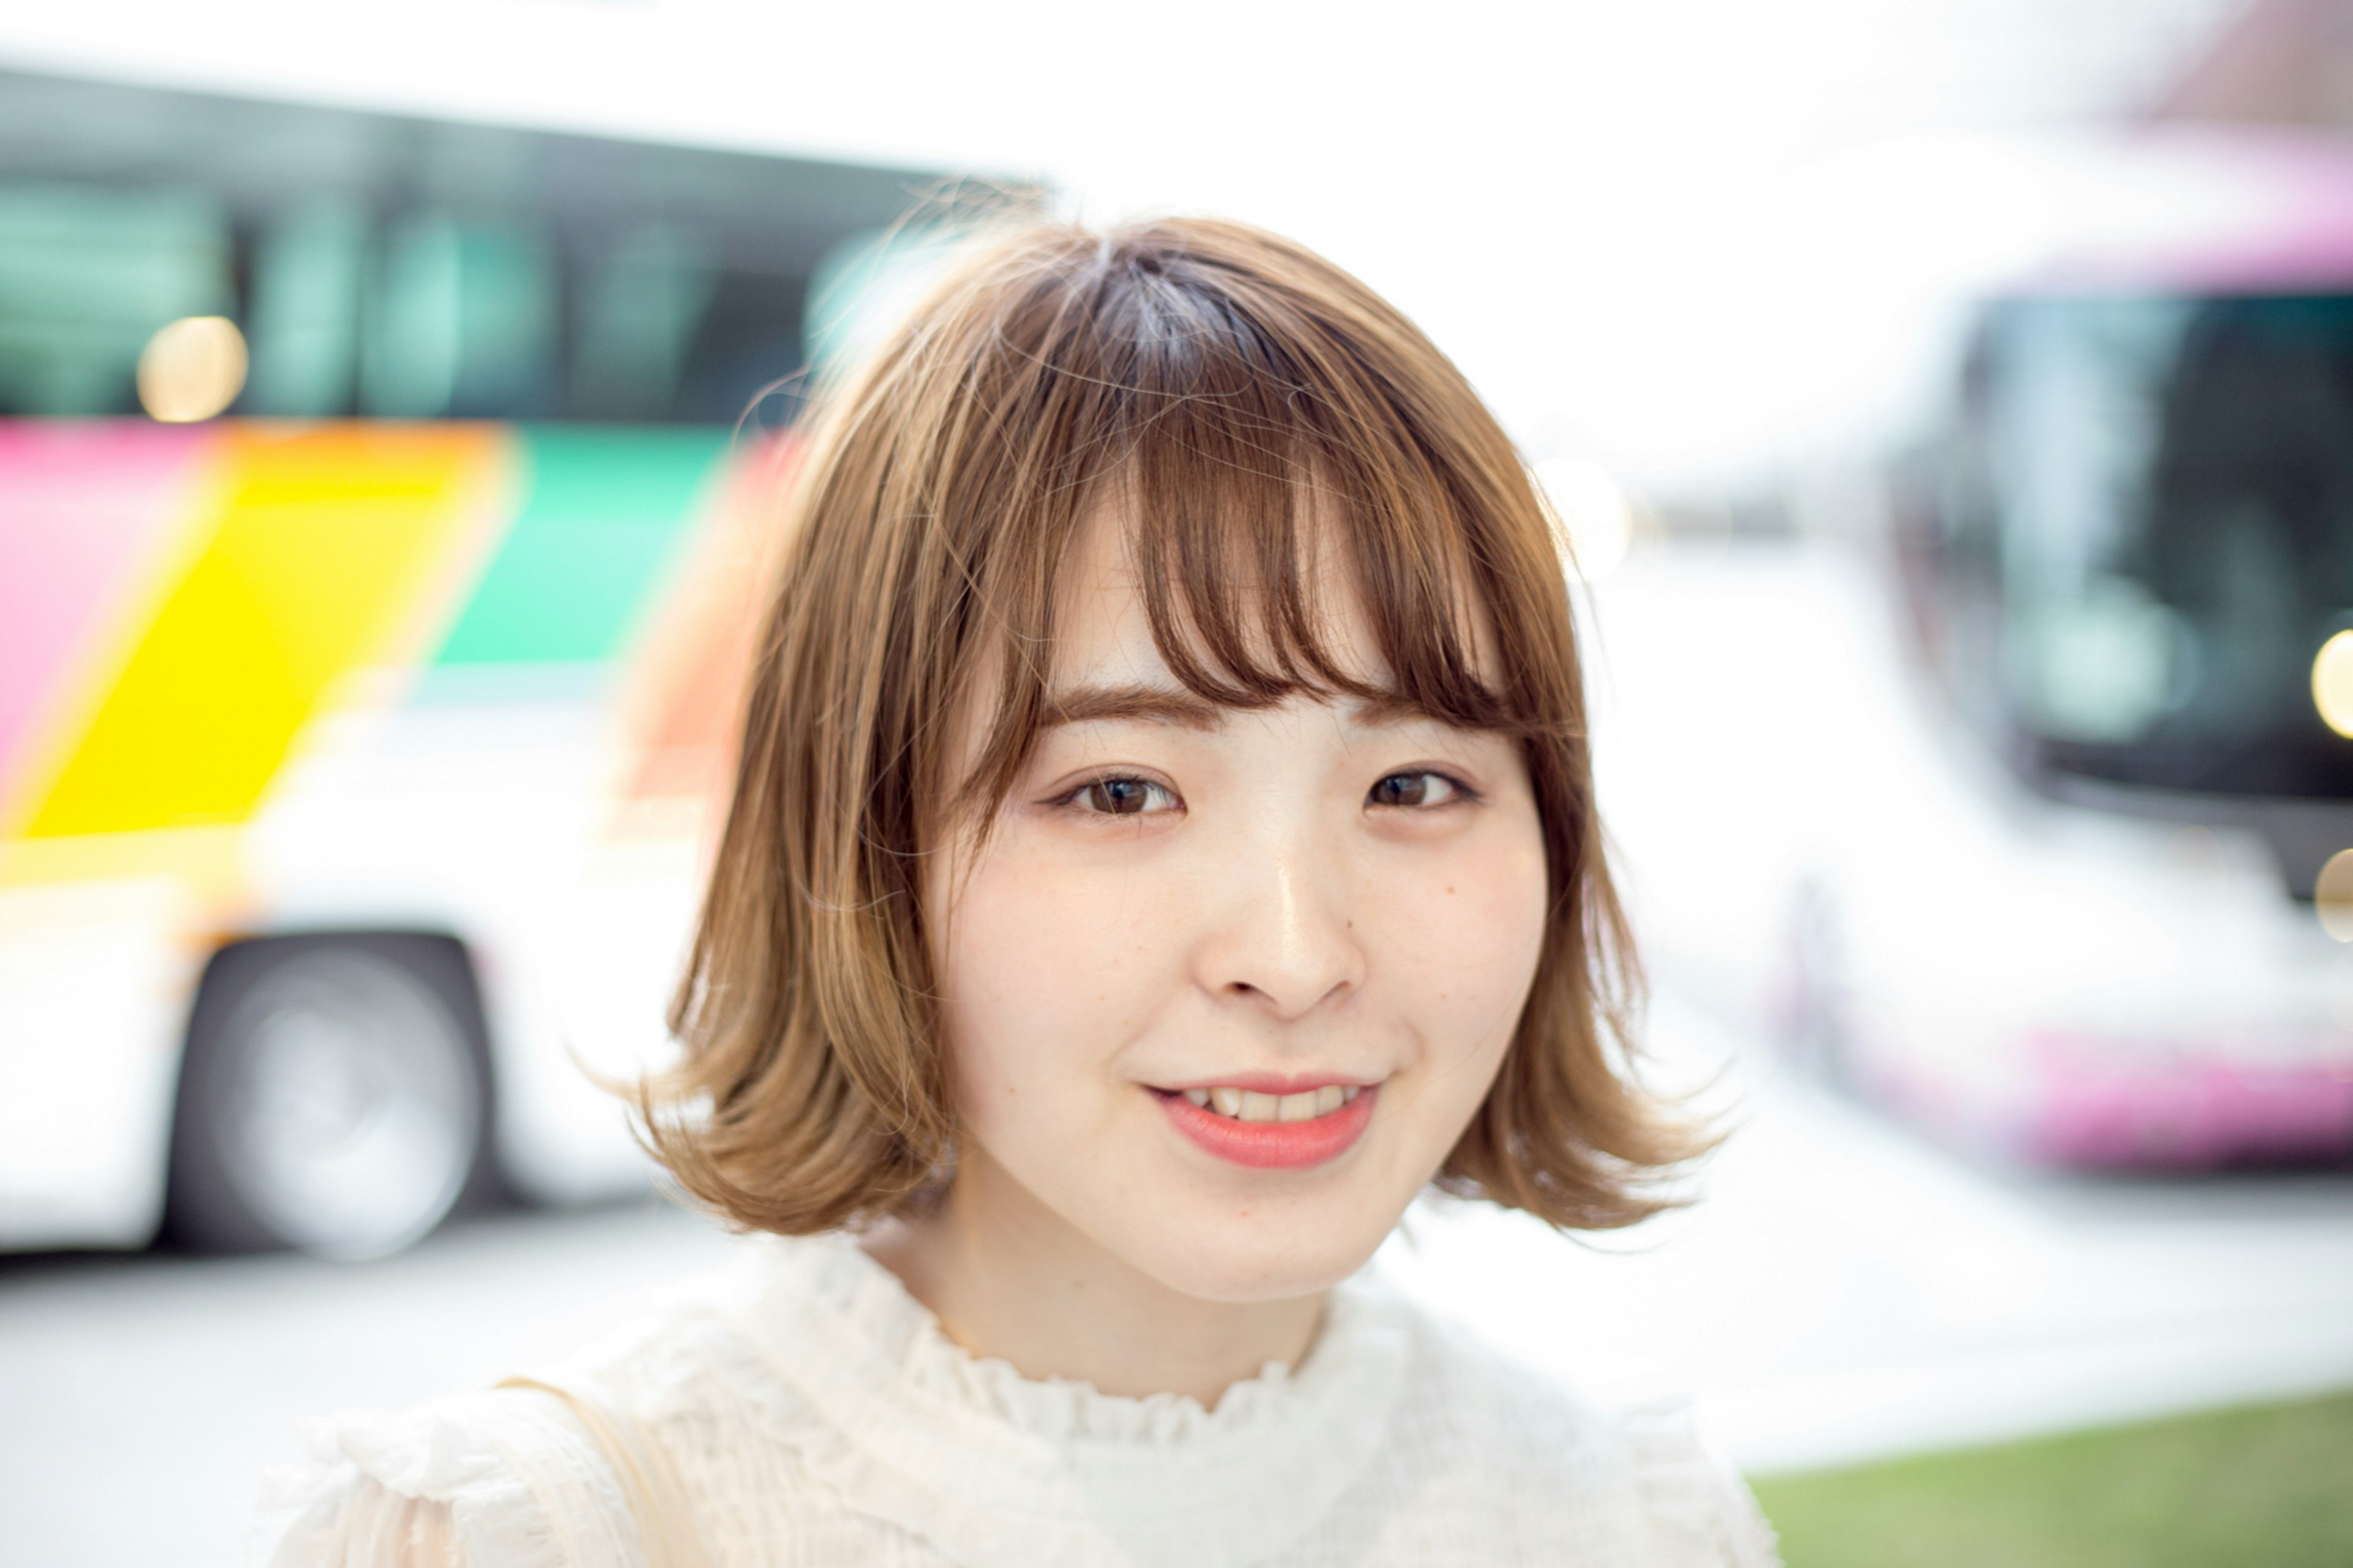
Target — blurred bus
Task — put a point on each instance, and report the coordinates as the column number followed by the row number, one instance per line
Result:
column 2048, row 788
column 378, row 547
column 2128, row 553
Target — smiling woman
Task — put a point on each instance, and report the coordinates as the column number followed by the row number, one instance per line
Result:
column 1163, row 844
column 1198, row 442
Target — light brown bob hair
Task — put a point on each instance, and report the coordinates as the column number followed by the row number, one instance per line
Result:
column 1244, row 400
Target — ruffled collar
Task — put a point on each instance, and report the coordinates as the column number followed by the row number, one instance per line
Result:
column 999, row 1470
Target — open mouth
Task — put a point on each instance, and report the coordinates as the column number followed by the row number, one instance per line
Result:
column 1266, row 1130
column 1252, row 1105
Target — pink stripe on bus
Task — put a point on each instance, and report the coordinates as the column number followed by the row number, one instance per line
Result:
column 83, row 506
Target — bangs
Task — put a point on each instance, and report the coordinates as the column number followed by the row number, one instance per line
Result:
column 1274, row 482
column 1253, row 545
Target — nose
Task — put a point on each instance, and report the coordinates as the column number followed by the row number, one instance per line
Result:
column 1285, row 940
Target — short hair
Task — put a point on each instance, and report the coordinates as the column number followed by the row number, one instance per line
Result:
column 1239, row 390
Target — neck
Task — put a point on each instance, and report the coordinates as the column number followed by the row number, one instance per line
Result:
column 1008, row 1278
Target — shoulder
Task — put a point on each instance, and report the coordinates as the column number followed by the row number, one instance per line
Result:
column 512, row 1475
column 1481, row 1433
column 505, row 1476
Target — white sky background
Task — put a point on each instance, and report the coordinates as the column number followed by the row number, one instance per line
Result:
column 1587, row 203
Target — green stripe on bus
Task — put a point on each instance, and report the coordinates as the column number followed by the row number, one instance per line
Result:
column 604, row 510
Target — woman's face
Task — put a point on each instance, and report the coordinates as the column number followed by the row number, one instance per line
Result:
column 1223, row 988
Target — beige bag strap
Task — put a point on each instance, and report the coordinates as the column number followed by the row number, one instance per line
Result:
column 666, row 1528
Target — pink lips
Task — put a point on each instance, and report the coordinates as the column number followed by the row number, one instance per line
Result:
column 1270, row 1145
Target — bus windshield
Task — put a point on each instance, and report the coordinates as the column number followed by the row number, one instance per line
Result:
column 2147, row 532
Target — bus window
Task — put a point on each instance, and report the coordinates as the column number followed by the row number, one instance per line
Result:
column 87, row 276
column 460, row 322
column 640, row 311
column 386, row 267
column 309, row 269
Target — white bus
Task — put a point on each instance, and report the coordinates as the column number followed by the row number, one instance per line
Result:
column 2028, row 813
column 378, row 545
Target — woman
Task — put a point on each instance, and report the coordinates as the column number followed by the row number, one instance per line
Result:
column 1163, row 843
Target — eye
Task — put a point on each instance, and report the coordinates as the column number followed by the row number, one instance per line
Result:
column 1417, row 787
column 1121, row 796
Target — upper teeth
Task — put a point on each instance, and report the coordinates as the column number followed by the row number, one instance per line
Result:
column 1250, row 1105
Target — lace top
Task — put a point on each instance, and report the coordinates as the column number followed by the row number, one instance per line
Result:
column 815, row 1414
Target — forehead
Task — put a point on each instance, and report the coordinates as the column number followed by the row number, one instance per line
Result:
column 1103, row 634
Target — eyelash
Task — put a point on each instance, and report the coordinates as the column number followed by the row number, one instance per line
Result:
column 1464, row 793
column 1069, row 798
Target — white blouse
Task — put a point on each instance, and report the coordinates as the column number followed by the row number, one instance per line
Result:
column 813, row 1416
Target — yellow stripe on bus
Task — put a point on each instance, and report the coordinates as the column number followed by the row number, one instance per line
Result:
column 325, row 539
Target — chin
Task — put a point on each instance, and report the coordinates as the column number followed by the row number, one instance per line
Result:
column 1228, row 1260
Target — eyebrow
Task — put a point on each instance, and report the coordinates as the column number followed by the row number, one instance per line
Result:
column 1133, row 703
column 1174, row 705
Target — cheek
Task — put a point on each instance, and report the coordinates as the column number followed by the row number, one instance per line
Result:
column 1045, row 973
column 1464, row 937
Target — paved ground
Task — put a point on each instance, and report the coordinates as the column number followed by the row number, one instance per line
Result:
column 143, row 1395
column 1843, row 1292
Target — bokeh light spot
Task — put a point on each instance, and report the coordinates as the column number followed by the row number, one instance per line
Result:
column 2332, row 683
column 192, row 369
column 1592, row 512
column 2332, row 896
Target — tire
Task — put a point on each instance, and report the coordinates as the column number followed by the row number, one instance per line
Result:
column 334, row 1097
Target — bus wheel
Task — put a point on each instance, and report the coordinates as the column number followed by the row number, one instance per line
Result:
column 334, row 1096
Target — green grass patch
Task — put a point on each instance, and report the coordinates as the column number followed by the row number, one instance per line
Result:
column 2269, row 1484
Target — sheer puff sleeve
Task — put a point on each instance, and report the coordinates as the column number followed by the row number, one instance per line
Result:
column 1698, row 1505
column 506, row 1478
